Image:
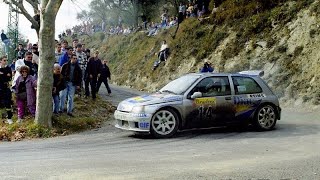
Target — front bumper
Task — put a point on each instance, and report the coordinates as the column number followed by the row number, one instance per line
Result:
column 132, row 121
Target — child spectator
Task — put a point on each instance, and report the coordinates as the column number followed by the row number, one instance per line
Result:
column 25, row 92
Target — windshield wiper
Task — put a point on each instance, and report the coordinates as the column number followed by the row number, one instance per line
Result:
column 168, row 91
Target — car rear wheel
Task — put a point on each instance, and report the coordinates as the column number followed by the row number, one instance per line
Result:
column 265, row 118
column 164, row 123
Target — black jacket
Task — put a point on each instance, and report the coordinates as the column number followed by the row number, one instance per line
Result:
column 4, row 79
column 58, row 83
column 105, row 72
column 77, row 73
column 94, row 67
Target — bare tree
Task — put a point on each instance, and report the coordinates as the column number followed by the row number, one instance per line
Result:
column 22, row 10
column 48, row 12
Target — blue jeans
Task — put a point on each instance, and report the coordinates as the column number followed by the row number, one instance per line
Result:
column 6, row 43
column 56, row 103
column 68, row 91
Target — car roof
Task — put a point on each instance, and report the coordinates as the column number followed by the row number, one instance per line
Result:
column 209, row 74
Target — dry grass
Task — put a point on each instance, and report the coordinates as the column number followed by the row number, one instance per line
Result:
column 88, row 114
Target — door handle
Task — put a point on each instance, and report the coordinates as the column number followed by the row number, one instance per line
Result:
column 227, row 98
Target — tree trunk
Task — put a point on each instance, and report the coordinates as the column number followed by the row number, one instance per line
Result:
column 49, row 10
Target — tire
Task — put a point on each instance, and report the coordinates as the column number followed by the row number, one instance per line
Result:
column 265, row 118
column 164, row 123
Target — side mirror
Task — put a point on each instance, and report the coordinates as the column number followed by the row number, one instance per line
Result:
column 196, row 95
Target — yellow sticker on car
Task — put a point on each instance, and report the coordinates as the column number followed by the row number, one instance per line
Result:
column 205, row 101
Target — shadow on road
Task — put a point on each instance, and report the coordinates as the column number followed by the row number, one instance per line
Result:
column 280, row 131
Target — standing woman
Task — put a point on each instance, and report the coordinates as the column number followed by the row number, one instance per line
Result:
column 25, row 92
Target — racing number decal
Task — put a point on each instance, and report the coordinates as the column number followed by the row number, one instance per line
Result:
column 205, row 107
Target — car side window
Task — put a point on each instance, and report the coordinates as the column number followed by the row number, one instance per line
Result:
column 213, row 86
column 245, row 85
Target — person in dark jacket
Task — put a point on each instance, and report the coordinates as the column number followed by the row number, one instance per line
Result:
column 58, row 85
column 94, row 70
column 71, row 71
column 105, row 75
column 206, row 68
column 6, row 41
column 5, row 93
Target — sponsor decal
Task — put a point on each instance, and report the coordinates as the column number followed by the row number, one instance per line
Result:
column 140, row 99
column 238, row 100
column 256, row 95
column 210, row 101
column 130, row 116
column 174, row 98
column 144, row 125
column 245, row 104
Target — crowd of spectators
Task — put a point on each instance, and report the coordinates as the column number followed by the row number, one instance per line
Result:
column 74, row 70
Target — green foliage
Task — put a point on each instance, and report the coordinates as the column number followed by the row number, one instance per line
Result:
column 37, row 131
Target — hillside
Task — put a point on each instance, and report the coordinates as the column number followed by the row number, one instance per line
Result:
column 283, row 40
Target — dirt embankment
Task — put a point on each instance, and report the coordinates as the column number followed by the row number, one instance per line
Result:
column 284, row 42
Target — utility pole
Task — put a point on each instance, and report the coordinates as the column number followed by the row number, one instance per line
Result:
column 13, row 31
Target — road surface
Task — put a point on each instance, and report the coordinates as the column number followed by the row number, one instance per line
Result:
column 291, row 151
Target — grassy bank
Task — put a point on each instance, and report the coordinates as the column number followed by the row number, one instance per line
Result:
column 88, row 114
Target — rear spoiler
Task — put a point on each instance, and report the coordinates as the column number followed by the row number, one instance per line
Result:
column 253, row 73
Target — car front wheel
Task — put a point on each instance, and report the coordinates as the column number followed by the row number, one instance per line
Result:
column 164, row 123
column 265, row 118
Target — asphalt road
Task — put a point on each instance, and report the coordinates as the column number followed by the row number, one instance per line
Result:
column 291, row 151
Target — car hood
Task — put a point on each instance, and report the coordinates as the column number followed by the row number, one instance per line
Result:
column 156, row 98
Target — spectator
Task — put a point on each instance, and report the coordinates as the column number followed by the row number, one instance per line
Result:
column 58, row 52
column 75, row 42
column 94, row 71
column 82, row 61
column 66, row 56
column 64, row 45
column 20, row 51
column 105, row 75
column 144, row 21
column 25, row 92
column 5, row 93
column 58, row 85
column 12, row 66
column 162, row 54
column 182, row 12
column 6, row 41
column 206, row 68
column 29, row 48
column 71, row 71
column 27, row 61
column 164, row 20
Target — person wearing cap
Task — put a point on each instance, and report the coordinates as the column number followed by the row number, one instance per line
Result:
column 66, row 56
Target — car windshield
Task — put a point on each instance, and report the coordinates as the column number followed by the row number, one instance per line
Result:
column 180, row 85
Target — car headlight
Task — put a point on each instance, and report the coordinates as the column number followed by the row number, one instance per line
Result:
column 137, row 109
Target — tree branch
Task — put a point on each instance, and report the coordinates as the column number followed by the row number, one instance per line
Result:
column 34, row 4
column 23, row 11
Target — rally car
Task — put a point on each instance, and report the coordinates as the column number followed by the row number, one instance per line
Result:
column 200, row 100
